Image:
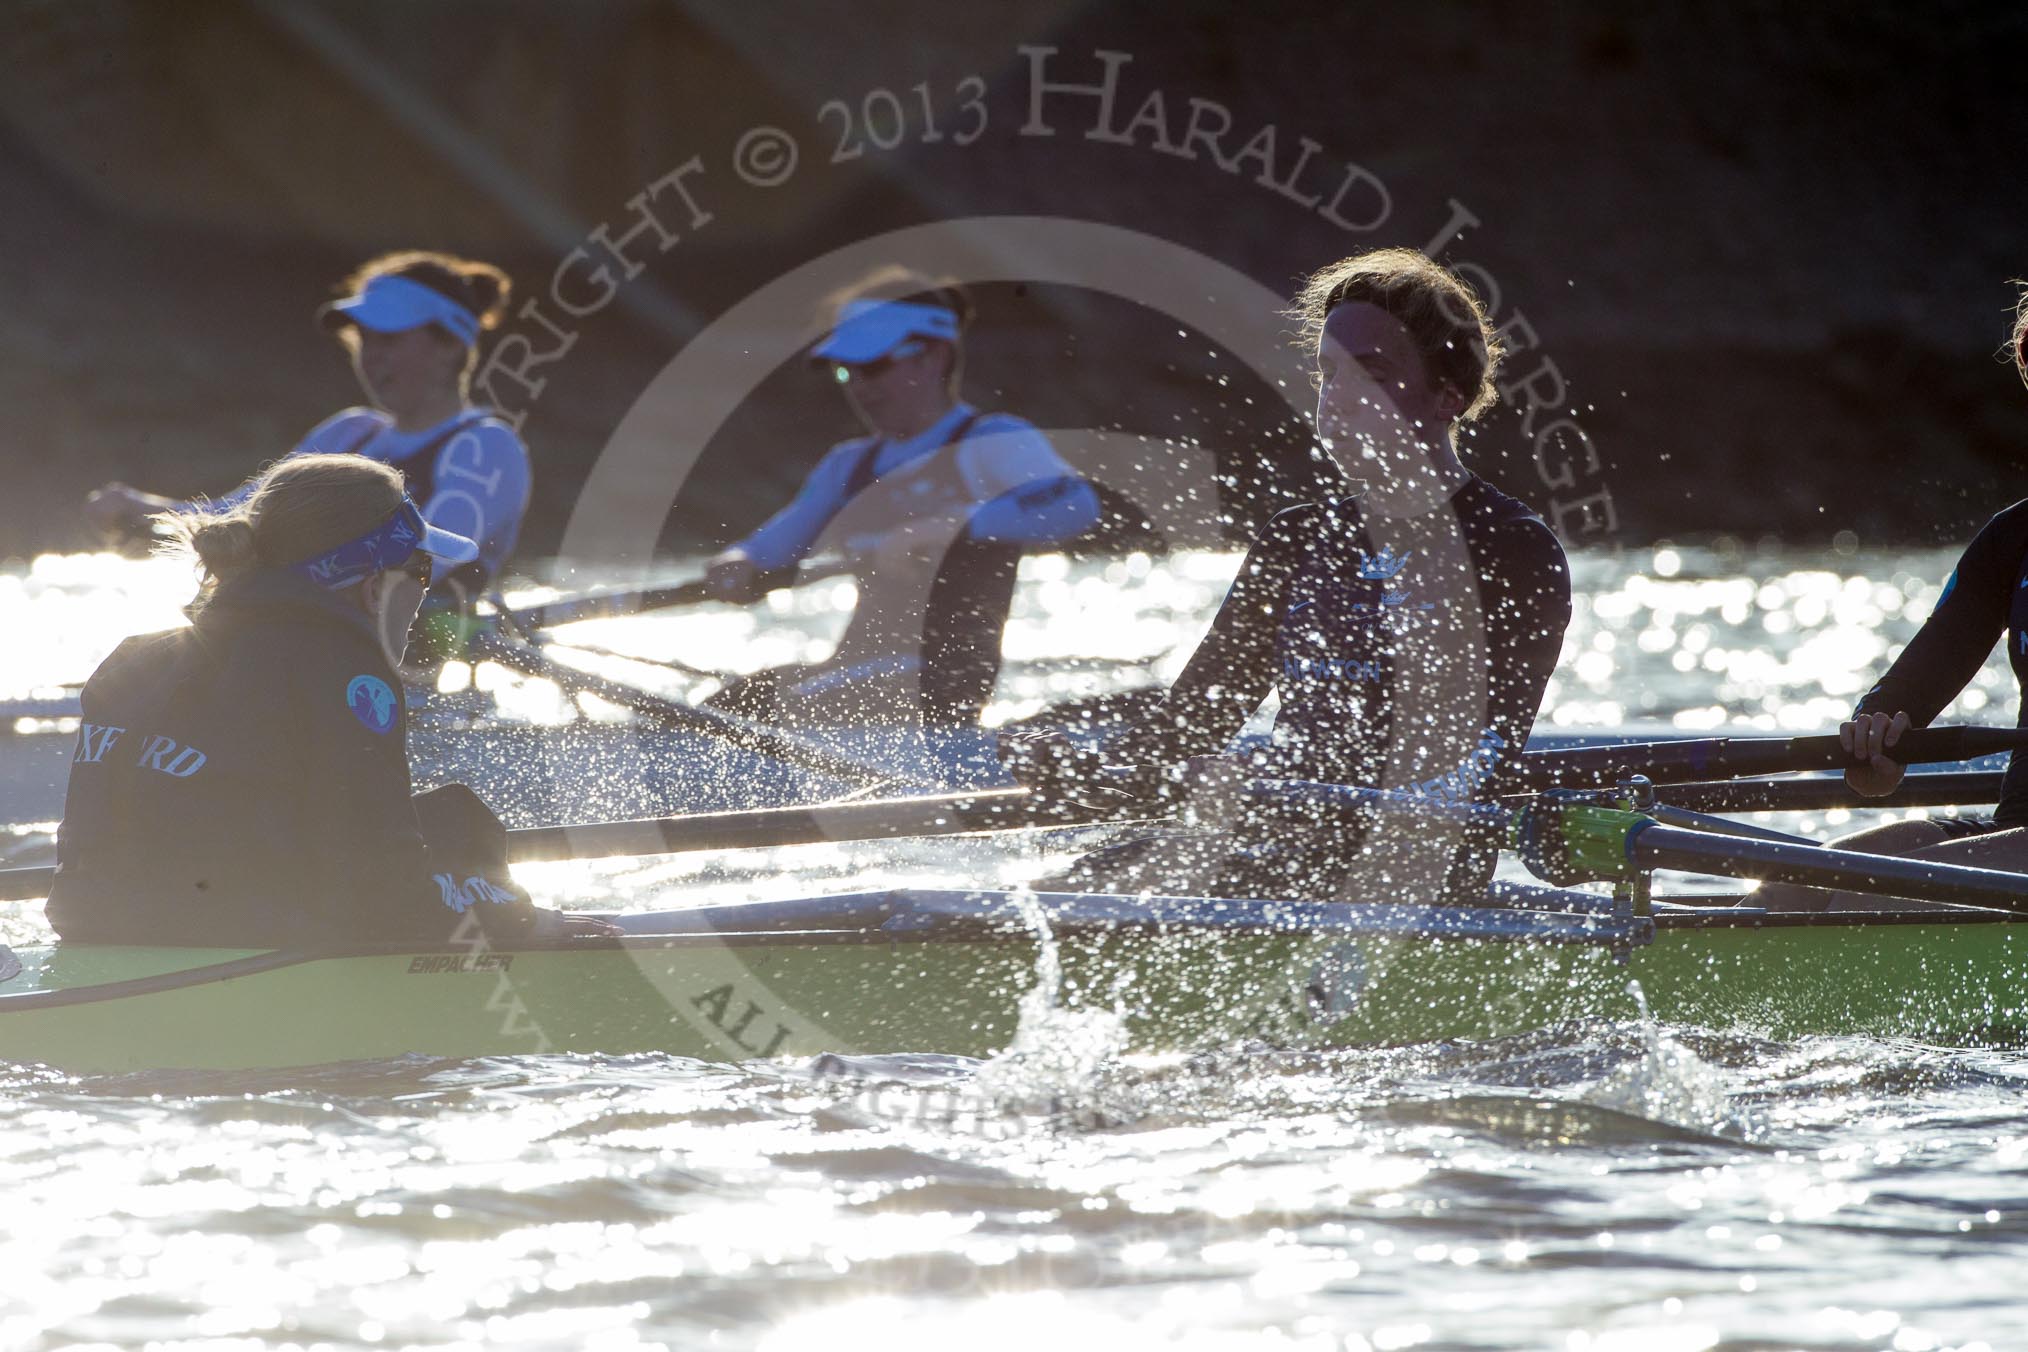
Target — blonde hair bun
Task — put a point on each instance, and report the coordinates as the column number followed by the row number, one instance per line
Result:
column 299, row 508
column 224, row 545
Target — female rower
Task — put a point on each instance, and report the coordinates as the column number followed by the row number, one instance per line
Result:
column 411, row 322
column 1986, row 596
column 931, row 511
column 243, row 781
column 1409, row 629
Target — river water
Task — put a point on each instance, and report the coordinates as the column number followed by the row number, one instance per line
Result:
column 1611, row 1185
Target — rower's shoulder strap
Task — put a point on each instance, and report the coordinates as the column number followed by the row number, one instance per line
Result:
column 860, row 476
column 862, row 473
column 373, row 428
column 427, row 451
column 963, row 431
column 960, row 434
column 945, row 457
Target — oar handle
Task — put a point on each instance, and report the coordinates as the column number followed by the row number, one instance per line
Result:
column 1943, row 788
column 1917, row 746
column 1724, row 757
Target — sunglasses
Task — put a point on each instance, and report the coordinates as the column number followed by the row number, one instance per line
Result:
column 872, row 370
column 422, row 567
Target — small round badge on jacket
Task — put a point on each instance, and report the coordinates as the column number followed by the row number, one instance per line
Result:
column 372, row 702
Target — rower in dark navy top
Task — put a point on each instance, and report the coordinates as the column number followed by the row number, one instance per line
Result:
column 1409, row 629
column 244, row 781
column 1986, row 597
column 932, row 511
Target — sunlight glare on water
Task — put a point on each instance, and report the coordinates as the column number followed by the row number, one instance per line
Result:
column 1618, row 1183
column 65, row 612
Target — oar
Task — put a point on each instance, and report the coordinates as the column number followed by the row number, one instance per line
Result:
column 1561, row 842
column 1564, row 842
column 1947, row 788
column 1657, row 846
column 671, row 713
column 945, row 814
column 605, row 605
column 1728, row 757
column 10, row 710
column 666, row 663
column 871, row 819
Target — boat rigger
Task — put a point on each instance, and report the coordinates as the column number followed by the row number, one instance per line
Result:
column 947, row 970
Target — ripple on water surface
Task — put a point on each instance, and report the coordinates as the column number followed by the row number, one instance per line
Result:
column 1596, row 1186
column 1495, row 1195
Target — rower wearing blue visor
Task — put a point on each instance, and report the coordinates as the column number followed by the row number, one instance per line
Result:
column 412, row 323
column 243, row 781
column 931, row 509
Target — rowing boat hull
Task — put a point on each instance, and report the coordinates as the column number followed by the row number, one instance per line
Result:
column 946, row 972
column 1948, row 982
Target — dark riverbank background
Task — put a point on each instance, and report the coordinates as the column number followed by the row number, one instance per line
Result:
column 1766, row 246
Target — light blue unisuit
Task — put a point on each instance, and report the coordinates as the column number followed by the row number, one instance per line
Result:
column 1008, row 480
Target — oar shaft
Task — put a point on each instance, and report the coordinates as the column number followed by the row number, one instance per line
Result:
column 1317, row 805
column 25, row 884
column 1814, row 866
column 607, row 605
column 1948, row 788
column 1670, row 814
column 738, row 732
column 1721, row 757
column 872, row 819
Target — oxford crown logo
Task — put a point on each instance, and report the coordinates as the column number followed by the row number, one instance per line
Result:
column 1384, row 565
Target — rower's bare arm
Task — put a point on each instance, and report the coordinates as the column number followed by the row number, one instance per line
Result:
column 1957, row 638
column 117, row 510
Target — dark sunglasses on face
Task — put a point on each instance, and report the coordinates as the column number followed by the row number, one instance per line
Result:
column 421, row 567
column 850, row 374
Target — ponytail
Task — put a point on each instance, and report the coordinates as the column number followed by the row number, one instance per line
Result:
column 224, row 545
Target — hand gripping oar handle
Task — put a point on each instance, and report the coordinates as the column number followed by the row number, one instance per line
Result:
column 1727, row 757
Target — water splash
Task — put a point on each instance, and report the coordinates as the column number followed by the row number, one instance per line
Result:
column 1671, row 1084
column 1061, row 1059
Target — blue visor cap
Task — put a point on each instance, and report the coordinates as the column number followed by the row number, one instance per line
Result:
column 870, row 329
column 398, row 304
column 386, row 546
